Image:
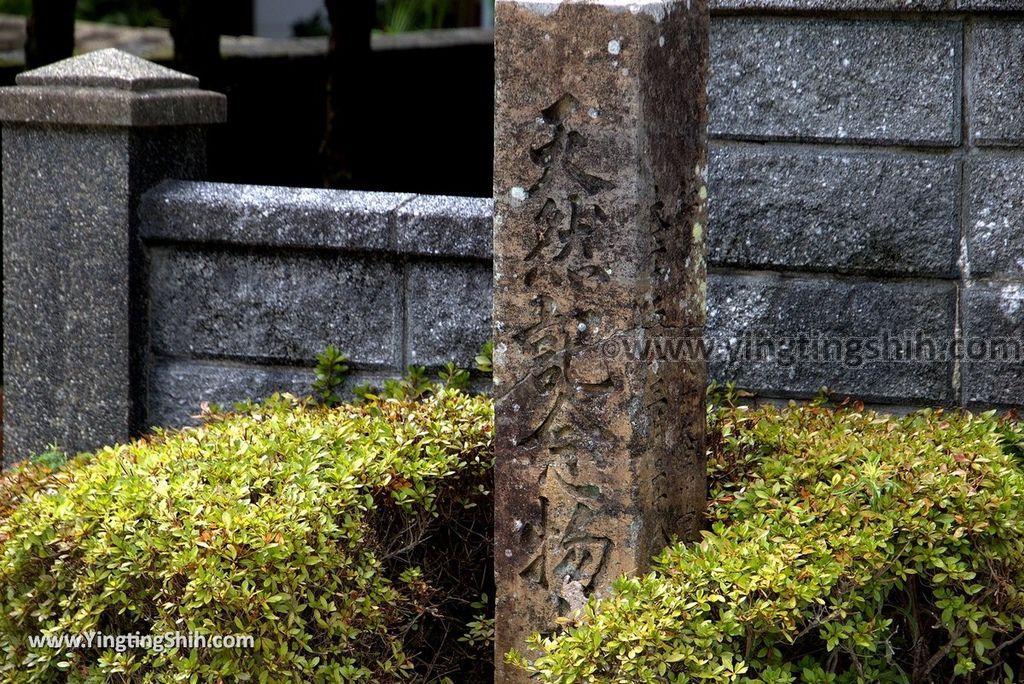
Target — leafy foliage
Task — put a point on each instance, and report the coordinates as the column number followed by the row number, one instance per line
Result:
column 844, row 546
column 52, row 458
column 22, row 7
column 414, row 385
column 331, row 371
column 354, row 544
column 454, row 377
column 349, row 542
column 396, row 16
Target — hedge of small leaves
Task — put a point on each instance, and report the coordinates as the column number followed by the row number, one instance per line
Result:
column 844, row 546
column 352, row 543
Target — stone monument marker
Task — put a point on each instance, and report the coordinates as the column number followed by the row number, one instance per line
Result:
column 600, row 156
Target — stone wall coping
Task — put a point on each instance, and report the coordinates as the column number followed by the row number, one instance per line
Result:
column 314, row 218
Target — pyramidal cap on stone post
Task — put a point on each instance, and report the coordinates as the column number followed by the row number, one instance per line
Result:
column 599, row 302
column 110, row 88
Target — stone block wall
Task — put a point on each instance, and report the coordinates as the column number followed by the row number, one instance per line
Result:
column 867, row 188
column 866, row 229
column 247, row 284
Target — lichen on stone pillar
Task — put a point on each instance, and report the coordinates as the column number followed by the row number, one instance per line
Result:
column 600, row 208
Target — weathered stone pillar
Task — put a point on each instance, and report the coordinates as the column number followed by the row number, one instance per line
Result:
column 600, row 154
column 82, row 140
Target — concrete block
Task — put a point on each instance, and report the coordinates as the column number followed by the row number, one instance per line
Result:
column 877, row 341
column 833, row 212
column 449, row 315
column 82, row 140
column 997, row 87
column 284, row 307
column 445, row 226
column 995, row 216
column 882, row 82
column 993, row 348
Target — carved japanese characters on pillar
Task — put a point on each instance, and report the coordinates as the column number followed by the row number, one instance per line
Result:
column 600, row 157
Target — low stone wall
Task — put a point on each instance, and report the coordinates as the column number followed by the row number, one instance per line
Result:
column 247, row 284
column 867, row 189
column 867, row 176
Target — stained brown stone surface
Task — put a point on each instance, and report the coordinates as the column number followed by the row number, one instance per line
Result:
column 600, row 156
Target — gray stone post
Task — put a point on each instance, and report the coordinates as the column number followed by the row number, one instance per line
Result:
column 600, row 155
column 82, row 140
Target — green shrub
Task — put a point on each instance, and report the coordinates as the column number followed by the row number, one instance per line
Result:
column 349, row 542
column 844, row 546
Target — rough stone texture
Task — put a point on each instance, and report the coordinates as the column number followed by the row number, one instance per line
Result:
column 74, row 309
column 991, row 4
column 110, row 88
column 994, row 344
column 747, row 311
column 175, row 152
column 269, row 216
column 837, row 212
column 997, row 116
column 85, row 107
column 179, row 388
column 599, row 215
column 449, row 312
column 280, row 307
column 836, row 80
column 831, row 5
column 66, row 300
column 445, row 226
column 109, row 68
column 255, row 215
column 995, row 216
